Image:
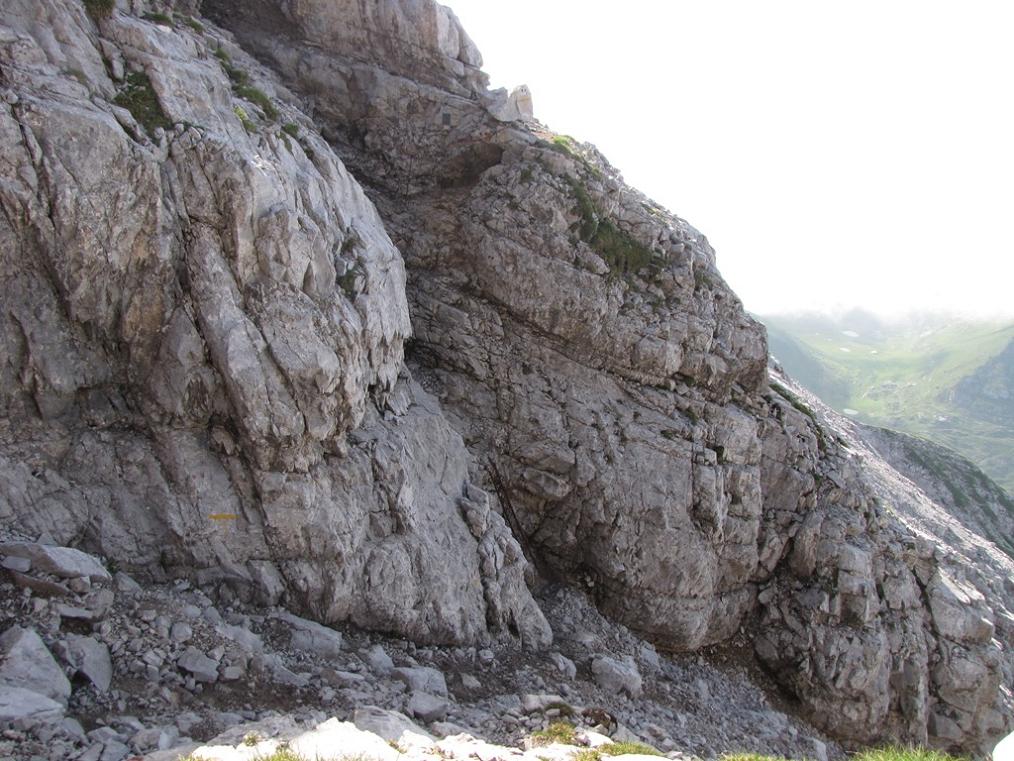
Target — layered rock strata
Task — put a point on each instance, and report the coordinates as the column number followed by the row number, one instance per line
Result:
column 204, row 367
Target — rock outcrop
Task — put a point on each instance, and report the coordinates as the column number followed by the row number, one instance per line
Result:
column 202, row 341
column 203, row 368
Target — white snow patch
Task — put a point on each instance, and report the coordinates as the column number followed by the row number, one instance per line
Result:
column 851, row 412
column 850, row 333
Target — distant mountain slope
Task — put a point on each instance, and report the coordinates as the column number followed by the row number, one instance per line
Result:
column 989, row 391
column 950, row 480
column 950, row 381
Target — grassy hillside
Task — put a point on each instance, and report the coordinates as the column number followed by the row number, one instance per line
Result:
column 946, row 380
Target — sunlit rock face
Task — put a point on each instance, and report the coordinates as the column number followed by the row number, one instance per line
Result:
column 204, row 369
column 203, row 337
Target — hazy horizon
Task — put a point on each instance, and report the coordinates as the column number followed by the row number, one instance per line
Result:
column 835, row 156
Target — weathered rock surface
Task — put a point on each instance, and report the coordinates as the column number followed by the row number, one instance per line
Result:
column 20, row 705
column 65, row 562
column 26, row 663
column 201, row 354
column 90, row 658
column 202, row 374
column 615, row 396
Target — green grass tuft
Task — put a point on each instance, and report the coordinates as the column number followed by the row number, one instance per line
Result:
column 164, row 19
column 896, row 753
column 221, row 55
column 138, row 97
column 258, row 98
column 623, row 254
column 557, row 732
column 238, row 76
column 623, row 748
column 244, row 119
column 890, row 753
column 194, row 24
column 564, row 144
column 290, row 129
column 100, row 9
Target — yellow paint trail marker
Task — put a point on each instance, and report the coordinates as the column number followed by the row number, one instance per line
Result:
column 223, row 516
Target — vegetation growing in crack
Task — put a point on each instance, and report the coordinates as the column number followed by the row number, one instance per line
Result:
column 891, row 753
column 194, row 24
column 624, row 255
column 244, row 119
column 800, row 405
column 242, row 88
column 562, row 732
column 163, row 19
column 100, row 9
column 615, row 749
column 259, row 99
column 138, row 97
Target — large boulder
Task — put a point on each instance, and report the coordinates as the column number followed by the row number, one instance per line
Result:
column 26, row 663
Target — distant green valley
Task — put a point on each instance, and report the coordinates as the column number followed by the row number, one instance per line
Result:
column 947, row 380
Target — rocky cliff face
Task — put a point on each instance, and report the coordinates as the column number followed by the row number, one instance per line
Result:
column 203, row 339
column 204, row 368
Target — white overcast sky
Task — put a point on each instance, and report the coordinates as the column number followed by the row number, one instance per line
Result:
column 836, row 154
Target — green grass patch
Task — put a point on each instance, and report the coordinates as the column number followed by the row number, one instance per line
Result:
column 238, row 76
column 194, row 24
column 221, row 55
column 138, row 97
column 616, row 749
column 244, row 119
column 623, row 748
column 258, row 98
column 564, row 144
column 558, row 732
column 290, row 129
column 624, row 255
column 621, row 252
column 890, row 753
column 896, row 753
column 100, row 9
column 163, row 19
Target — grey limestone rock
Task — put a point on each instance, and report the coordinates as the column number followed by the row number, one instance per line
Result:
column 617, row 675
column 422, row 679
column 90, row 658
column 426, row 707
column 19, row 705
column 65, row 562
column 204, row 375
column 203, row 372
column 200, row 665
column 26, row 663
column 378, row 659
column 392, row 726
column 311, row 636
